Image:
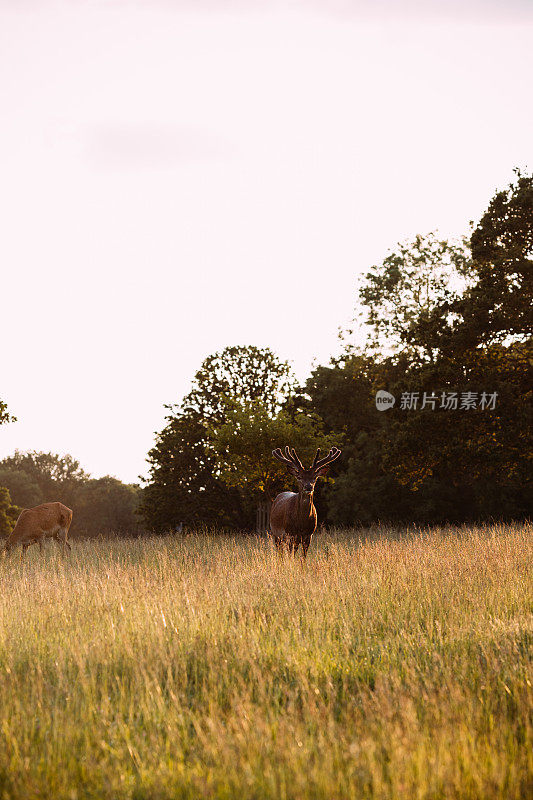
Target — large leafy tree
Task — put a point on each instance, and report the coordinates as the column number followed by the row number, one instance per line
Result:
column 475, row 336
column 474, row 465
column 243, row 446
column 185, row 483
column 242, row 374
column 402, row 295
column 430, row 465
column 498, row 306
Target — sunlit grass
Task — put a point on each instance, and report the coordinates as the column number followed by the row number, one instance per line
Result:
column 397, row 665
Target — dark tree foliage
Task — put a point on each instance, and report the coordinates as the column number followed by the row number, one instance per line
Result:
column 183, row 485
column 343, row 395
column 430, row 465
column 440, row 465
column 500, row 304
column 106, row 505
column 8, row 512
column 497, row 306
column 21, row 486
column 467, row 464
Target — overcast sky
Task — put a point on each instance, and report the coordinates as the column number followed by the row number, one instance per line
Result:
column 179, row 176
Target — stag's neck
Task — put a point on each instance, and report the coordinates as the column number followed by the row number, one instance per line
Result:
column 305, row 505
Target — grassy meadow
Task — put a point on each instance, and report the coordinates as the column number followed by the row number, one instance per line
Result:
column 395, row 664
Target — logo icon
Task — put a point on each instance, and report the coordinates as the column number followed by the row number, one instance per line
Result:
column 384, row 400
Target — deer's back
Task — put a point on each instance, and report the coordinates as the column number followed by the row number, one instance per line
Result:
column 47, row 518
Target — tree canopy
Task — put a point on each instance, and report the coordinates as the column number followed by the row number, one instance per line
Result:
column 415, row 283
column 498, row 307
column 188, row 482
column 436, row 463
column 240, row 374
column 243, row 446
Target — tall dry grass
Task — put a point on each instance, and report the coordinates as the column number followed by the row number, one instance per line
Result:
column 394, row 666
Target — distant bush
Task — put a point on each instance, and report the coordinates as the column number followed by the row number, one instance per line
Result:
column 8, row 512
column 100, row 505
column 105, row 505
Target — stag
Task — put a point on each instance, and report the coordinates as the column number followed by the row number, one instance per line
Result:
column 293, row 515
column 47, row 521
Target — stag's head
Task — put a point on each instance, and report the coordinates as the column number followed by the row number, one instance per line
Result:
column 306, row 477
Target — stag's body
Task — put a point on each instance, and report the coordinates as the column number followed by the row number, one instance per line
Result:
column 293, row 515
column 293, row 521
column 34, row 525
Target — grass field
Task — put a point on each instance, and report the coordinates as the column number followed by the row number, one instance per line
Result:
column 397, row 665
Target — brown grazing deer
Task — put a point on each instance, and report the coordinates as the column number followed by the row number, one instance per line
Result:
column 293, row 516
column 47, row 521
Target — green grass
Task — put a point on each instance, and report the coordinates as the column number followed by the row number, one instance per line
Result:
column 392, row 666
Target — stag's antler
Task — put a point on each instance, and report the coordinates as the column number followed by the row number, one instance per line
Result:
column 318, row 462
column 289, row 458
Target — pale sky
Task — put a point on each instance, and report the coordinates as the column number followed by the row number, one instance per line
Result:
column 179, row 176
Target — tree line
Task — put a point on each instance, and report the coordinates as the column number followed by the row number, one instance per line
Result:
column 101, row 505
column 447, row 334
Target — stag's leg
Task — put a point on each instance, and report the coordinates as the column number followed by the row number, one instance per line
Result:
column 279, row 545
column 305, row 548
column 24, row 548
column 61, row 538
column 66, row 543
